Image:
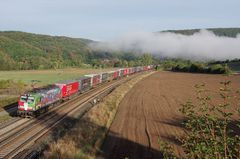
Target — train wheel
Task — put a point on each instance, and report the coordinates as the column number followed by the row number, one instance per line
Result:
column 46, row 109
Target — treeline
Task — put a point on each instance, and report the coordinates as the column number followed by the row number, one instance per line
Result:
column 122, row 60
column 228, row 32
column 25, row 51
column 178, row 65
column 234, row 64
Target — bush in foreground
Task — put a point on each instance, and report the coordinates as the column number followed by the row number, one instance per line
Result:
column 211, row 130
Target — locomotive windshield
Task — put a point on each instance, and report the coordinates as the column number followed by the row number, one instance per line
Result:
column 27, row 99
column 30, row 100
column 23, row 99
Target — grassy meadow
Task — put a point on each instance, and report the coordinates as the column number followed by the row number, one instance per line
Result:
column 43, row 77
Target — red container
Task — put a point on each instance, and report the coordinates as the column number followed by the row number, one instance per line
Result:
column 130, row 71
column 116, row 75
column 68, row 88
column 95, row 79
column 126, row 72
column 145, row 68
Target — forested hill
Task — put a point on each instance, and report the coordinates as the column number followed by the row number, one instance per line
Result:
column 23, row 51
column 228, row 32
column 19, row 50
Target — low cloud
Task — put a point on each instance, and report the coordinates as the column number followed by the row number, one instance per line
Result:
column 203, row 45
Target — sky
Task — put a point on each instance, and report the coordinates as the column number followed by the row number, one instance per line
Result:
column 105, row 19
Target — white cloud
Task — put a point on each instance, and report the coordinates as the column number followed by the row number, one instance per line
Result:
column 203, row 45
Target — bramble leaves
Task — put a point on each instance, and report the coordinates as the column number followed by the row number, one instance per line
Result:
column 209, row 134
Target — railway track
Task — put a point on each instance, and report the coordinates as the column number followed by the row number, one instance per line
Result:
column 18, row 122
column 20, row 137
column 9, row 122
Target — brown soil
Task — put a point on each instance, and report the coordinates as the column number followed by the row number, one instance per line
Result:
column 150, row 111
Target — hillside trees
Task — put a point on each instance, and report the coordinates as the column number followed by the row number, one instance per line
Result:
column 6, row 63
column 146, row 59
column 24, row 51
column 179, row 65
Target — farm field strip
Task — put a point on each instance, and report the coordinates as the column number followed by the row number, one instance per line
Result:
column 48, row 76
column 150, row 111
column 11, row 144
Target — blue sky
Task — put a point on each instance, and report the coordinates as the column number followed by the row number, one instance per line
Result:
column 106, row 19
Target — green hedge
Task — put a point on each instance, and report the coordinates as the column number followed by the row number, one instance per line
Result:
column 201, row 68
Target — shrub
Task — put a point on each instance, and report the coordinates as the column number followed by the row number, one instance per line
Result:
column 217, row 68
column 5, row 84
column 198, row 67
column 210, row 134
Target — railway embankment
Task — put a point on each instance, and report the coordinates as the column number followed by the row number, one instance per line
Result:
column 86, row 137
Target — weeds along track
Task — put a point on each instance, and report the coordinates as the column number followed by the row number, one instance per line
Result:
column 25, row 132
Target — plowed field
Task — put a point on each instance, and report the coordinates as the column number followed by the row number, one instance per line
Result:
column 150, row 111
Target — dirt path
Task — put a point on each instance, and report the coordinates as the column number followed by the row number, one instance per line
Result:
column 149, row 111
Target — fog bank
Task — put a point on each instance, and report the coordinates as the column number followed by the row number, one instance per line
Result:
column 203, row 45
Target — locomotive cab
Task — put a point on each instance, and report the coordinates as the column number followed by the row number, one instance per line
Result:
column 26, row 104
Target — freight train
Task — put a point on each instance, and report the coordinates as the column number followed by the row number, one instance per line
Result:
column 39, row 100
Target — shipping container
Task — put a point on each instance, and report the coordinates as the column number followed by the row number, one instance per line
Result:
column 116, row 74
column 126, row 71
column 145, row 68
column 104, row 77
column 130, row 71
column 134, row 69
column 68, row 88
column 95, row 79
column 84, row 84
column 38, row 98
column 110, row 75
column 121, row 73
column 148, row 67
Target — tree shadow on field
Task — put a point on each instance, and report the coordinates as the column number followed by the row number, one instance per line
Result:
column 176, row 122
column 115, row 147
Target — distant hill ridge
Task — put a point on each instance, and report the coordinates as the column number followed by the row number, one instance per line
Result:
column 228, row 32
column 20, row 50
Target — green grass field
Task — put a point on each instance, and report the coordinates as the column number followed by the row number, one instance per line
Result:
column 44, row 77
